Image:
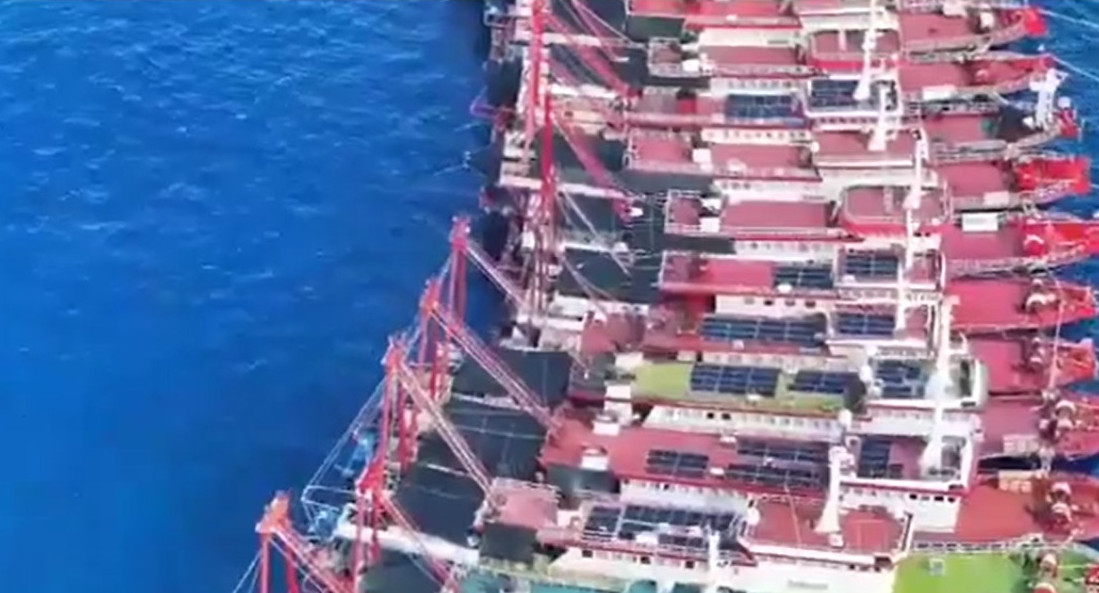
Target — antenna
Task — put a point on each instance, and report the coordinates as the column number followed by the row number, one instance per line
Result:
column 869, row 44
column 713, row 549
column 936, row 388
column 914, row 198
column 900, row 319
column 884, row 126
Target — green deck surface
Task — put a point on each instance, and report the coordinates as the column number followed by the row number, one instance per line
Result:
column 973, row 573
column 992, row 572
column 672, row 381
column 669, row 380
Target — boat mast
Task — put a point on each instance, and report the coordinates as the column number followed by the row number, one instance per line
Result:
column 911, row 203
column 869, row 44
column 936, row 389
column 829, row 522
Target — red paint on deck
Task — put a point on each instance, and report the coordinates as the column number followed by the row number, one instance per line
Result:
column 1023, row 365
column 1002, row 304
column 786, row 523
column 850, row 42
column 929, row 26
column 738, row 8
column 751, row 55
column 747, row 216
column 976, row 73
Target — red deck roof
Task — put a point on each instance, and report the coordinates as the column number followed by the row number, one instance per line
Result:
column 744, row 54
column 1006, row 419
column 671, row 152
column 722, row 274
column 523, row 504
column 992, row 514
column 1022, row 365
column 838, row 147
column 1005, row 243
column 762, row 215
column 1001, row 304
column 930, row 26
column 748, row 216
column 785, row 523
column 835, row 42
column 653, row 101
column 739, row 8
column 975, row 178
column 882, row 204
column 976, row 73
column 627, row 451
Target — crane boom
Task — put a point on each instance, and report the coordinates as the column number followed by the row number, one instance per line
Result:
column 462, row 245
column 439, row 570
column 406, row 379
column 275, row 525
column 597, row 64
column 456, row 330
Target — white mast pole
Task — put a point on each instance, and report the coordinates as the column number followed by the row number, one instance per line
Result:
column 869, row 44
column 830, row 515
column 936, row 388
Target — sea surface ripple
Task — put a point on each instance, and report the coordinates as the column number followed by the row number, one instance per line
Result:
column 213, row 213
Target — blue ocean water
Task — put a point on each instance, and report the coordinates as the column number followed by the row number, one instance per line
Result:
column 213, row 213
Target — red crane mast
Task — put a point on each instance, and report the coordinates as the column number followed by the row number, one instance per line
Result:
column 277, row 532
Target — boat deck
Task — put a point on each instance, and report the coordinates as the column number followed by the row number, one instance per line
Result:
column 754, row 55
column 921, row 27
column 790, row 524
column 762, row 461
column 674, row 152
column 659, row 455
column 773, row 389
column 747, row 216
column 1002, row 303
column 676, row 531
column 975, row 178
column 841, row 42
column 991, row 572
column 737, row 9
column 961, row 75
column 886, row 204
